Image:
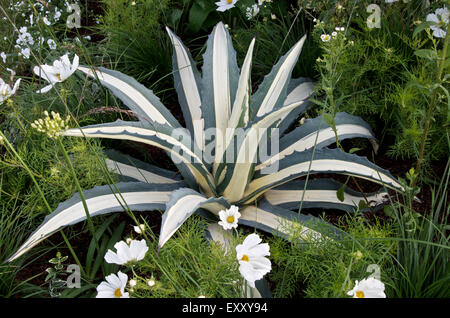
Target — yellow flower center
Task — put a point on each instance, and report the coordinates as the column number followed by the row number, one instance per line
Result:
column 230, row 219
column 229, row 1
column 4, row 93
column 117, row 293
column 59, row 76
column 360, row 294
column 245, row 258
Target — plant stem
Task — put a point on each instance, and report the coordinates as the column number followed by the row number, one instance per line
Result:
column 432, row 104
column 80, row 191
column 24, row 165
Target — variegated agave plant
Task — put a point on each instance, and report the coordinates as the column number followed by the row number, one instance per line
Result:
column 221, row 99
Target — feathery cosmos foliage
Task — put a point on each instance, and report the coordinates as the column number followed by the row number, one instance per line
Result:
column 217, row 171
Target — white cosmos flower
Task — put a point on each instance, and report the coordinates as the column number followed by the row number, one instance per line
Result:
column 229, row 218
column 224, row 5
column 441, row 17
column 59, row 72
column 368, row 288
column 127, row 253
column 6, row 91
column 334, row 34
column 114, row 287
column 253, row 264
column 325, row 37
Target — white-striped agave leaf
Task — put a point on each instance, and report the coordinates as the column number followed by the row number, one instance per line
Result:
column 146, row 105
column 317, row 133
column 182, row 204
column 136, row 196
column 321, row 193
column 240, row 170
column 280, row 221
column 219, row 85
column 188, row 86
column 314, row 161
column 272, row 92
column 131, row 169
column 299, row 89
column 161, row 136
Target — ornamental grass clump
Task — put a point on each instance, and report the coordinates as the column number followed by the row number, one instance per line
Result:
column 222, row 154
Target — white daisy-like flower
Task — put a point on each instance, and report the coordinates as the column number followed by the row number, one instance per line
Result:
column 229, row 218
column 325, row 37
column 139, row 229
column 127, row 253
column 390, row 1
column 59, row 72
column 334, row 34
column 368, row 288
column 224, row 5
column 3, row 56
column 6, row 91
column 114, row 287
column 51, row 44
column 441, row 17
column 253, row 264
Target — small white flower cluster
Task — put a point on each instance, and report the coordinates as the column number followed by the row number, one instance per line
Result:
column 327, row 37
column 127, row 253
column 253, row 10
column 30, row 37
column 51, row 126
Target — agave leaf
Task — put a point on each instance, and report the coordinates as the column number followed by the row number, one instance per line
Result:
column 278, row 221
column 320, row 193
column 240, row 114
column 131, row 169
column 137, row 196
column 298, row 89
column 134, row 95
column 319, row 161
column 182, row 204
column 219, row 84
column 240, row 171
column 188, row 86
column 271, row 94
column 161, row 136
column 304, row 137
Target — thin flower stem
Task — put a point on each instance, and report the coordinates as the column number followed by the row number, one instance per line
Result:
column 432, row 104
column 80, row 191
